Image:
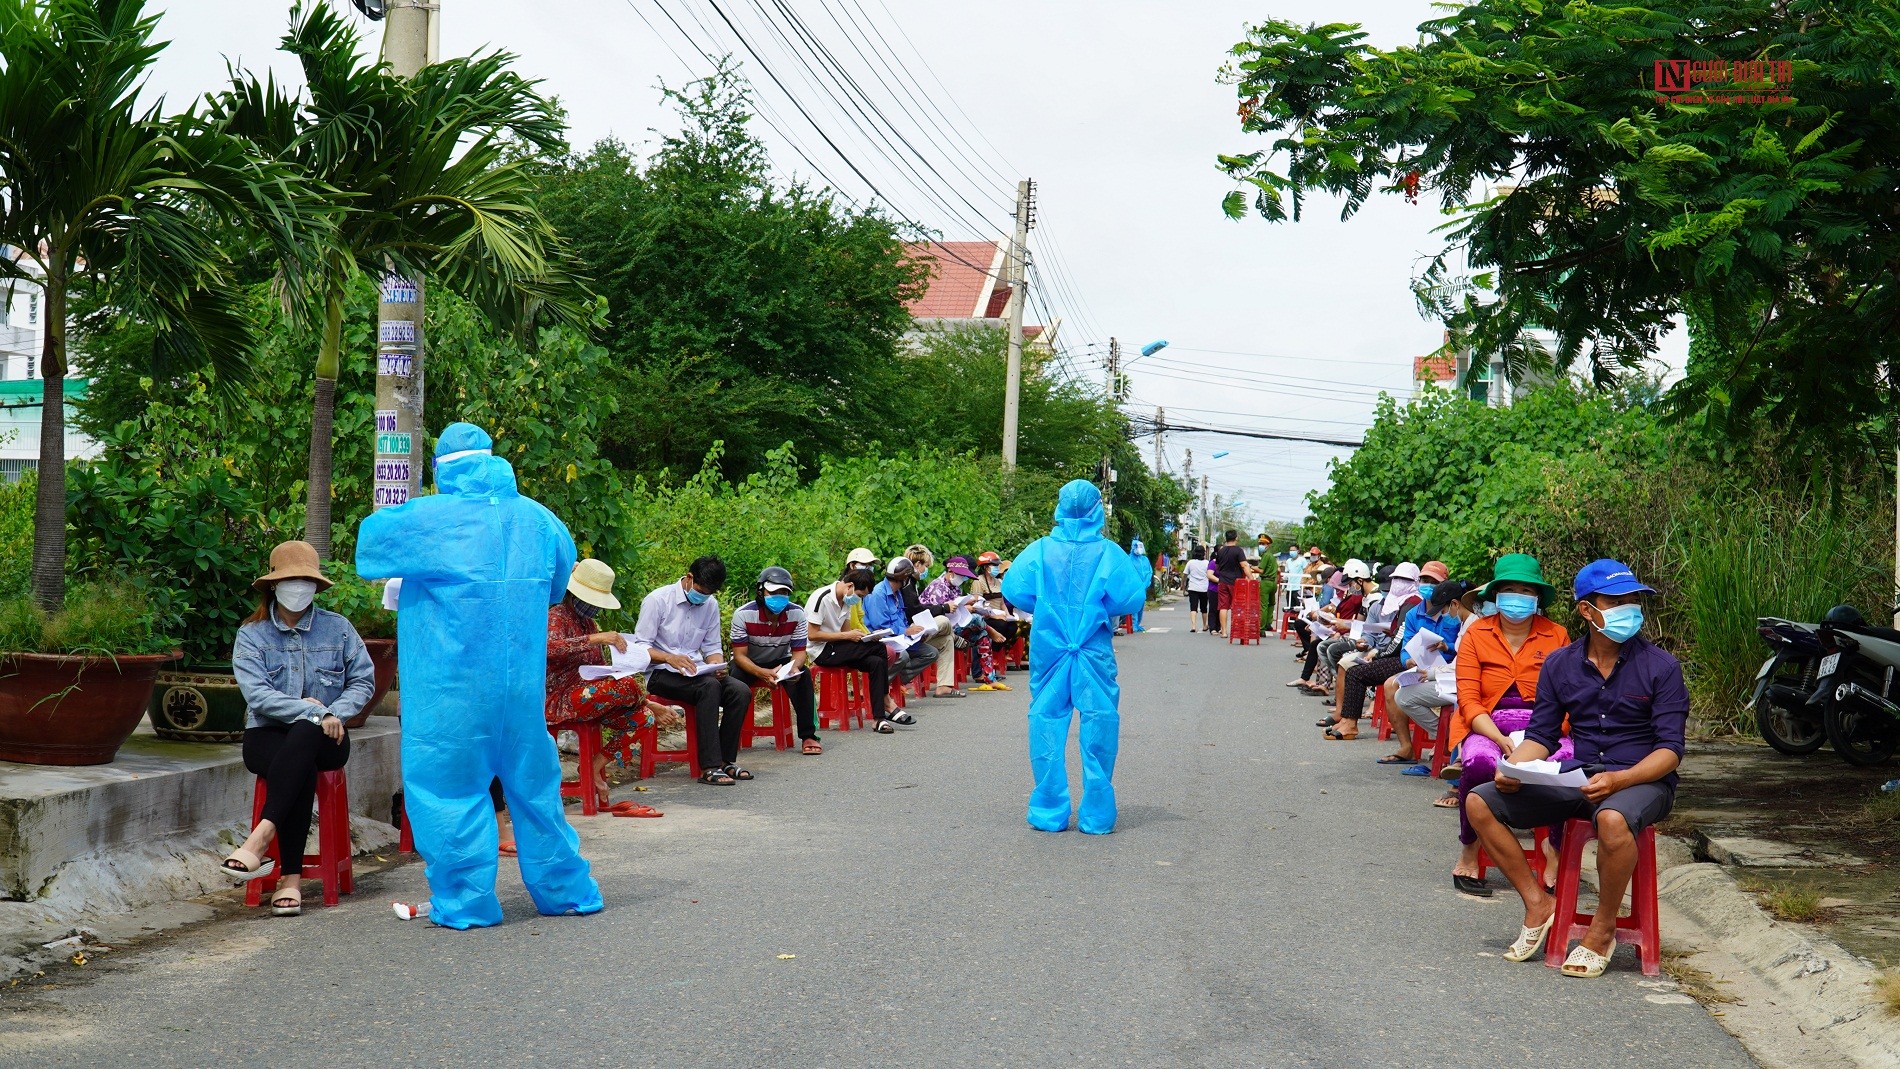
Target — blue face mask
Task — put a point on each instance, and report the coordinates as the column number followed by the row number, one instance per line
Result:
column 1489, row 608
column 1425, row 591
column 851, row 600
column 1621, row 622
column 696, row 597
column 777, row 602
column 1517, row 607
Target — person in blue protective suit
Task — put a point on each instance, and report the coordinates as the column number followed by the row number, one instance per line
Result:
column 1138, row 556
column 480, row 565
column 1075, row 583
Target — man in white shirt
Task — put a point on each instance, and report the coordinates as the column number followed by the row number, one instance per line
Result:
column 837, row 646
column 679, row 629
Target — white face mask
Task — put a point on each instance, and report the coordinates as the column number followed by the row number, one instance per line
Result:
column 295, row 594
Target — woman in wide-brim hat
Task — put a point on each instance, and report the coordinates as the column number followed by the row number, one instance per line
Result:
column 614, row 706
column 303, row 671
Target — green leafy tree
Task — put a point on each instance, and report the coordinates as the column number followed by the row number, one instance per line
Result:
column 95, row 190
column 741, row 310
column 428, row 169
column 1586, row 206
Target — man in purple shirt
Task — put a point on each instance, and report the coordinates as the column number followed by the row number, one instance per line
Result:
column 1627, row 706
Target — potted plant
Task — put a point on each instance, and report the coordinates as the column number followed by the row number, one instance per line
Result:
column 361, row 603
column 73, row 684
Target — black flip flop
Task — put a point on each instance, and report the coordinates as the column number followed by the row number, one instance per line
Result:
column 717, row 777
column 883, row 727
column 1466, row 885
column 1395, row 759
column 736, row 772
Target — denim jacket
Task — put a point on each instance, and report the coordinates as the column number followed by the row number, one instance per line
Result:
column 278, row 666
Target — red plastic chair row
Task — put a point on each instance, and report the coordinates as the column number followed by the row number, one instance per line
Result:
column 1243, row 613
column 331, row 865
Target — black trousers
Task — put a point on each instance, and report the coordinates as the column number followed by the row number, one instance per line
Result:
column 288, row 757
column 799, row 690
column 1005, row 628
column 866, row 657
column 720, row 707
column 1361, row 676
column 1310, row 645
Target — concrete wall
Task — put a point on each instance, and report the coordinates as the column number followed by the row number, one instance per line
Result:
column 153, row 792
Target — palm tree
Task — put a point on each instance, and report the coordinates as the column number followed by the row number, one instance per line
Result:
column 430, row 173
column 95, row 191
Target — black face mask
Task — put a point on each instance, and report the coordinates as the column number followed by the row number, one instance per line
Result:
column 584, row 610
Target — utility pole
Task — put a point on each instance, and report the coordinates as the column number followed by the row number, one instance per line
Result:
column 1203, row 510
column 1161, row 422
column 1016, row 264
column 410, row 34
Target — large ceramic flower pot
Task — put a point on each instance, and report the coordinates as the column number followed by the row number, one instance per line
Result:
column 63, row 709
column 199, row 704
column 382, row 654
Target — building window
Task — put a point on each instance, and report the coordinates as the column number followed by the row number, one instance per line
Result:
column 11, row 470
column 32, row 309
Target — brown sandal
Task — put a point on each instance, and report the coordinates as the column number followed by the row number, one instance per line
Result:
column 812, row 748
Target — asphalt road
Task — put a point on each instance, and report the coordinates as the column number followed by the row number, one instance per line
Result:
column 1269, row 899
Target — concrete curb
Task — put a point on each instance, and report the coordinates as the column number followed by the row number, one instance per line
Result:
column 1825, row 990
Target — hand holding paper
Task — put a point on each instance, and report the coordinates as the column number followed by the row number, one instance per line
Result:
column 1545, row 772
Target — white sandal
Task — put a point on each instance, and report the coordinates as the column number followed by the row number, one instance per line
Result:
column 256, row 868
column 1584, row 963
column 286, row 894
column 1529, row 941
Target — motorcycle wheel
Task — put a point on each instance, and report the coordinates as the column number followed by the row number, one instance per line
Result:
column 1860, row 737
column 1788, row 733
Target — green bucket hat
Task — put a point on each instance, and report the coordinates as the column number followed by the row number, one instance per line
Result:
column 1519, row 568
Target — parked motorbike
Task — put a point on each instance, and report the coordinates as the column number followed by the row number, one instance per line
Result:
column 1787, row 702
column 1856, row 687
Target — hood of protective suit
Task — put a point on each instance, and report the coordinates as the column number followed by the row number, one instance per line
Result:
column 1079, row 516
column 474, row 473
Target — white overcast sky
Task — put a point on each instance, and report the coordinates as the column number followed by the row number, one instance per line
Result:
column 1110, row 105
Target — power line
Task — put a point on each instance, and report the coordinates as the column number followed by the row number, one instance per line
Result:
column 1141, row 428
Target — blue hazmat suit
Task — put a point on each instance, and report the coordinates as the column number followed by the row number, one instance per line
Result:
column 1138, row 556
column 1076, row 583
column 480, row 566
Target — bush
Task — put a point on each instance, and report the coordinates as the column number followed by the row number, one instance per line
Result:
column 360, row 602
column 16, row 535
column 99, row 619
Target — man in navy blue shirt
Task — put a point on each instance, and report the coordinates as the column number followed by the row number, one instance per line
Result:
column 1628, row 707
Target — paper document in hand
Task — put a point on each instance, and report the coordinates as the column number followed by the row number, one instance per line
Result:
column 1545, row 772
column 706, row 669
column 392, row 591
column 1357, row 629
column 925, row 620
column 633, row 661
column 1409, row 677
column 786, row 671
column 900, row 643
column 880, row 633
column 960, row 617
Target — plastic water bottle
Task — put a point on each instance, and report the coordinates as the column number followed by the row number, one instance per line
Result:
column 1890, row 786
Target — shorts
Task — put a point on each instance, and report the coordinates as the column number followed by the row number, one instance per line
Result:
column 1538, row 806
column 1197, row 601
column 1227, row 593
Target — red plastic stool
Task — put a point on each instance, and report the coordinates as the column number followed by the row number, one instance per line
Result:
column 1018, row 655
column 1380, row 722
column 781, row 728
column 836, row 704
column 406, row 839
column 588, row 734
column 1640, row 928
column 1534, row 857
column 1441, row 751
column 960, row 659
column 1124, row 625
column 650, row 752
column 332, row 863
column 924, row 681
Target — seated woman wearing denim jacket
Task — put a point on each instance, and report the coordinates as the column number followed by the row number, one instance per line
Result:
column 303, row 671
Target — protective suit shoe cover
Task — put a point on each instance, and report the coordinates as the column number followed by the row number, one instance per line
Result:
column 1076, row 583
column 480, row 566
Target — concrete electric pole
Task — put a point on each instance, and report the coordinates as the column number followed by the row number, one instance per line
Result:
column 1016, row 263
column 409, row 44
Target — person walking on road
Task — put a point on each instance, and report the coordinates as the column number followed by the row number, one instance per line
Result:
column 1075, row 583
column 1197, row 590
column 480, row 566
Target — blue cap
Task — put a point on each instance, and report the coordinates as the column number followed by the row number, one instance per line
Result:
column 1608, row 577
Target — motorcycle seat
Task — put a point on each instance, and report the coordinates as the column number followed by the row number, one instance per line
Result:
column 1886, row 633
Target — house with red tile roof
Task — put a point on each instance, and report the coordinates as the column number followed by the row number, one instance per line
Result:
column 966, row 287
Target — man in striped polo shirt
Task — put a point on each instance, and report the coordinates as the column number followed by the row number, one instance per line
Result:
column 768, row 633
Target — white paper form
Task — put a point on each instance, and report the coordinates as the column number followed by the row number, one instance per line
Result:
column 1546, row 772
column 787, row 671
column 925, row 620
column 635, row 660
